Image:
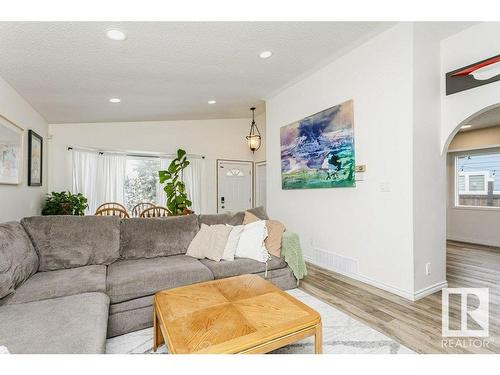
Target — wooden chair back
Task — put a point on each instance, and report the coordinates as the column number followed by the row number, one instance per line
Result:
column 110, row 211
column 112, row 205
column 138, row 208
column 156, row 211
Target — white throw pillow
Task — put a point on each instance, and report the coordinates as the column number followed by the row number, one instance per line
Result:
column 251, row 243
column 4, row 350
column 232, row 242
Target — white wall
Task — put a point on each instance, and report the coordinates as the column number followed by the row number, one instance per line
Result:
column 429, row 178
column 215, row 139
column 467, row 47
column 372, row 227
column 17, row 201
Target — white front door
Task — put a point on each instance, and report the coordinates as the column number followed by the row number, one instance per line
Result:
column 234, row 185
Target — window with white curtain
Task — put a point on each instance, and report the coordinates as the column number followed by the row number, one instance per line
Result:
column 141, row 181
column 129, row 179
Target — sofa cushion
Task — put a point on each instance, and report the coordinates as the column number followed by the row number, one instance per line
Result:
column 241, row 266
column 18, row 258
column 130, row 316
column 157, row 236
column 129, row 279
column 74, row 241
column 61, row 283
column 227, row 218
column 72, row 324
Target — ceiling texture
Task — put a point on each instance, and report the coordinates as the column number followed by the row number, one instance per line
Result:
column 68, row 71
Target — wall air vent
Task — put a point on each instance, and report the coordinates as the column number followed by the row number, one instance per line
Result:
column 334, row 262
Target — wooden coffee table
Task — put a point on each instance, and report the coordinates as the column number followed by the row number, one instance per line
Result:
column 242, row 314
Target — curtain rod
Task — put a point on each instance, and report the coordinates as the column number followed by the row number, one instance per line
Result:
column 132, row 153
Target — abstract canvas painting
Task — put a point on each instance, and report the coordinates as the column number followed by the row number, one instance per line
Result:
column 11, row 144
column 318, row 151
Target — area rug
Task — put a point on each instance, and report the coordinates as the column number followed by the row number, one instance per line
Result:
column 341, row 335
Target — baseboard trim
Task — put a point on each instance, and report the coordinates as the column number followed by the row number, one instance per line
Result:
column 430, row 290
column 473, row 241
column 388, row 288
column 377, row 284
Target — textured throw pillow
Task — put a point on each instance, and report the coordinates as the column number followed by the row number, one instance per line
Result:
column 209, row 242
column 251, row 243
column 275, row 231
column 232, row 242
column 249, row 218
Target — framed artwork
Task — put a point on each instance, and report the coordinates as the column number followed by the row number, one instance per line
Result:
column 318, row 151
column 11, row 152
column 35, row 159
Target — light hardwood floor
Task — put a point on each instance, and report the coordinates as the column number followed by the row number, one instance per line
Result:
column 417, row 325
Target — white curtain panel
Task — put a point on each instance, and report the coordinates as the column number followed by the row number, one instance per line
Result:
column 161, row 199
column 111, row 178
column 99, row 177
column 193, row 176
column 84, row 177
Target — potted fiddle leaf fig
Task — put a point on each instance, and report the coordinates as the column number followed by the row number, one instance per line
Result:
column 175, row 189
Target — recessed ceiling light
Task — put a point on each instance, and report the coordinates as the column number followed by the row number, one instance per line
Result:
column 212, row 101
column 265, row 54
column 466, row 127
column 116, row 34
column 115, row 100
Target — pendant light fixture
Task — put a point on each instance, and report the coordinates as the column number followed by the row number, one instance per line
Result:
column 253, row 138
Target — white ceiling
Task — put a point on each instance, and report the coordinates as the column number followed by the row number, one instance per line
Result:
column 164, row 70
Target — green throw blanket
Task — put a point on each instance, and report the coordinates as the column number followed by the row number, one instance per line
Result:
column 291, row 252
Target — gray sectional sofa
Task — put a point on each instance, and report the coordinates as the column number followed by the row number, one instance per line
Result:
column 67, row 283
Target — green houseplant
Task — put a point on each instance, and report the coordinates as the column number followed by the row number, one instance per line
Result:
column 175, row 189
column 64, row 203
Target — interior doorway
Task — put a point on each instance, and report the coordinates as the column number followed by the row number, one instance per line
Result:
column 473, row 175
column 234, row 185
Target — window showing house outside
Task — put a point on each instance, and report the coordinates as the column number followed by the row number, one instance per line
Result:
column 141, row 180
column 478, row 180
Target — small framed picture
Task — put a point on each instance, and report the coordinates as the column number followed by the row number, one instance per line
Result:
column 35, row 159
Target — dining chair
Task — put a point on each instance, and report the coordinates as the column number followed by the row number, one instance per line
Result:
column 112, row 211
column 140, row 207
column 111, row 205
column 156, row 211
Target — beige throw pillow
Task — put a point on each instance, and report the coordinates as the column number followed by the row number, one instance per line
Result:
column 249, row 218
column 275, row 231
column 274, row 235
column 209, row 242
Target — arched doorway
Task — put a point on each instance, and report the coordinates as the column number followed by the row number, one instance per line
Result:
column 473, row 206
